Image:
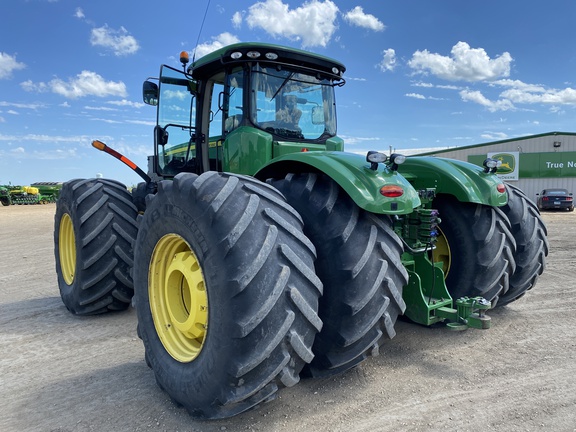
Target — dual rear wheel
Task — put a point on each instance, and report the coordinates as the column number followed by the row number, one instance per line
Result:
column 494, row 252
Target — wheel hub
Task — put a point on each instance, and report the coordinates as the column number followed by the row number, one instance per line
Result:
column 67, row 249
column 442, row 252
column 178, row 298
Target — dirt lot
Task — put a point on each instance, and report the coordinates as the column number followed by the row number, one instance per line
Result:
column 59, row 372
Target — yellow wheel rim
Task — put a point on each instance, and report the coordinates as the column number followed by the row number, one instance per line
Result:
column 442, row 252
column 67, row 249
column 178, row 298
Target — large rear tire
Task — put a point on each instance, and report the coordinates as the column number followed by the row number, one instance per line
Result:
column 359, row 264
column 226, row 292
column 94, row 233
column 530, row 234
column 476, row 247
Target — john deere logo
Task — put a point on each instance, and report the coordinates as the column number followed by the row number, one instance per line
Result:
column 508, row 163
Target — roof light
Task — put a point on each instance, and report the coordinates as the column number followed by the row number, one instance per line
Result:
column 236, row 55
column 391, row 191
column 253, row 54
column 271, row 56
column 335, row 70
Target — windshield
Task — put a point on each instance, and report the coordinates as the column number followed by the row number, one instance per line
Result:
column 293, row 105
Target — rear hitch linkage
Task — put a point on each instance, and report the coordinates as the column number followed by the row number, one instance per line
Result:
column 427, row 298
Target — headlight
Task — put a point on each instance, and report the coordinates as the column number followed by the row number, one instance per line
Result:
column 376, row 157
column 491, row 165
column 397, row 159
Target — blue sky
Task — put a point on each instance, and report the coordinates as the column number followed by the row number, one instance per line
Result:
column 420, row 73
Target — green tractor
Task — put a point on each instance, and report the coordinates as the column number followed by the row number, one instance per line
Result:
column 257, row 251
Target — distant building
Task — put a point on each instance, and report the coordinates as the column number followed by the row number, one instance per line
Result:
column 532, row 162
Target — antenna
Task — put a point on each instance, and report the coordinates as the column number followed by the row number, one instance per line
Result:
column 200, row 31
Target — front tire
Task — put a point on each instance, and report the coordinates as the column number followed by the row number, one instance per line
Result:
column 226, row 293
column 359, row 264
column 476, row 247
column 94, row 234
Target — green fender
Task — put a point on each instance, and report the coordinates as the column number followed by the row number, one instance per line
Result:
column 466, row 181
column 353, row 174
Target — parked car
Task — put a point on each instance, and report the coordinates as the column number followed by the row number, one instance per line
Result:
column 555, row 199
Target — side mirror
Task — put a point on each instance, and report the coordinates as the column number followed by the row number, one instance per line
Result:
column 150, row 93
column 317, row 115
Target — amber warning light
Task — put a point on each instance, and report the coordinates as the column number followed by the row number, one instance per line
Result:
column 184, row 58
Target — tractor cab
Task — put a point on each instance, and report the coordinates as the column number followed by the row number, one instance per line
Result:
column 241, row 106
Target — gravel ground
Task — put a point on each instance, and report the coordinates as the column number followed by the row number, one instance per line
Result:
column 59, row 372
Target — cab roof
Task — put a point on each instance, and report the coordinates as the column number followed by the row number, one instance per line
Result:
column 245, row 52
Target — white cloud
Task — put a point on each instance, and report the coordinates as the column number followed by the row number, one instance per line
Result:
column 45, row 138
column 388, row 62
column 517, row 84
column 525, row 93
column 494, row 136
column 415, row 95
column 359, row 140
column 86, row 83
column 347, row 78
column 79, row 13
column 99, row 108
column 565, row 96
column 127, row 103
column 142, row 122
column 175, row 94
column 423, row 84
column 358, row 18
column 21, row 153
column 106, row 120
column 448, row 87
column 520, row 93
column 479, row 98
column 119, row 41
column 34, row 106
column 313, row 23
column 218, row 42
column 8, row 64
column 464, row 64
column 237, row 19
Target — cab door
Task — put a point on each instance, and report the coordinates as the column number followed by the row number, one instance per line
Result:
column 175, row 138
